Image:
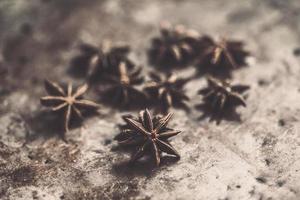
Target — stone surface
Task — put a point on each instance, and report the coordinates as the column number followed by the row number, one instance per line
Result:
column 257, row 158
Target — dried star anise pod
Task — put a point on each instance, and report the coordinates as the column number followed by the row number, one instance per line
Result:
column 149, row 134
column 220, row 96
column 70, row 102
column 221, row 57
column 99, row 61
column 122, row 86
column 176, row 46
column 167, row 91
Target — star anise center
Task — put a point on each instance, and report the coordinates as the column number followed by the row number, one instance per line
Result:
column 70, row 100
column 153, row 135
column 224, row 87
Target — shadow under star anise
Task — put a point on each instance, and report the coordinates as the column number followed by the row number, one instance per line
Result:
column 145, row 167
column 212, row 115
column 44, row 124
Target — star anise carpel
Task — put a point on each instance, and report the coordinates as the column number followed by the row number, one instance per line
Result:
column 168, row 91
column 221, row 96
column 222, row 56
column 69, row 101
column 149, row 134
column 176, row 46
column 122, row 85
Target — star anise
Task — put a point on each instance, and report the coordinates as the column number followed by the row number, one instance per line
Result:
column 176, row 46
column 221, row 57
column 98, row 61
column 167, row 90
column 220, row 96
column 122, row 85
column 149, row 134
column 70, row 102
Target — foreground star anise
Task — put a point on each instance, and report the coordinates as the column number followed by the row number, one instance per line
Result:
column 220, row 96
column 175, row 46
column 122, row 85
column 222, row 56
column 69, row 101
column 167, row 90
column 149, row 134
column 102, row 60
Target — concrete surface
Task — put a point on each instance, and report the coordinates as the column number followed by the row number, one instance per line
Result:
column 257, row 158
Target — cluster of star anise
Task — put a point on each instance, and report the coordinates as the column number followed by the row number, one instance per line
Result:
column 119, row 81
column 118, row 75
column 122, row 82
column 179, row 46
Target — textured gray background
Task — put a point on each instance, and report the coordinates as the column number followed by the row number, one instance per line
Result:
column 258, row 158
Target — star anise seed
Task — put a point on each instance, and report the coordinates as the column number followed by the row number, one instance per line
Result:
column 175, row 46
column 69, row 101
column 122, row 85
column 149, row 134
column 222, row 56
column 220, row 95
column 167, row 90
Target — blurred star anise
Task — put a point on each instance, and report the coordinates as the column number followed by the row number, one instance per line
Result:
column 167, row 90
column 70, row 102
column 220, row 96
column 121, row 88
column 176, row 46
column 149, row 134
column 99, row 61
column 221, row 57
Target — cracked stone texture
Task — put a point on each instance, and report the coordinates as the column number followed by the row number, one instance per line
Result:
column 256, row 158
